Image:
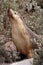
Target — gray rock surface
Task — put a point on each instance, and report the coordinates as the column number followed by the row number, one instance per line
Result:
column 40, row 3
column 24, row 62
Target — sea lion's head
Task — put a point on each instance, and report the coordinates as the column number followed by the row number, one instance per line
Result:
column 13, row 14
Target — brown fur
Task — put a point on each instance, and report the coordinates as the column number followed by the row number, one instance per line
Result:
column 20, row 35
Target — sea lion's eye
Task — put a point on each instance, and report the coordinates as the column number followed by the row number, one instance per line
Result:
column 15, row 13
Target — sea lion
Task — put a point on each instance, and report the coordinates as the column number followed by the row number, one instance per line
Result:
column 20, row 34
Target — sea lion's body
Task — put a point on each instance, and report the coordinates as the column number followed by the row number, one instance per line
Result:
column 20, row 35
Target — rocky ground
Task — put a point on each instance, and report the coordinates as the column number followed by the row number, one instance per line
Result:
column 33, row 18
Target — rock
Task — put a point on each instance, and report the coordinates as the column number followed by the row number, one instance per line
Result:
column 40, row 3
column 24, row 62
column 2, row 39
column 2, row 59
column 38, row 57
column 9, row 46
column 9, row 52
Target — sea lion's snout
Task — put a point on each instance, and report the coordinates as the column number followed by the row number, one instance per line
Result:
column 12, row 14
